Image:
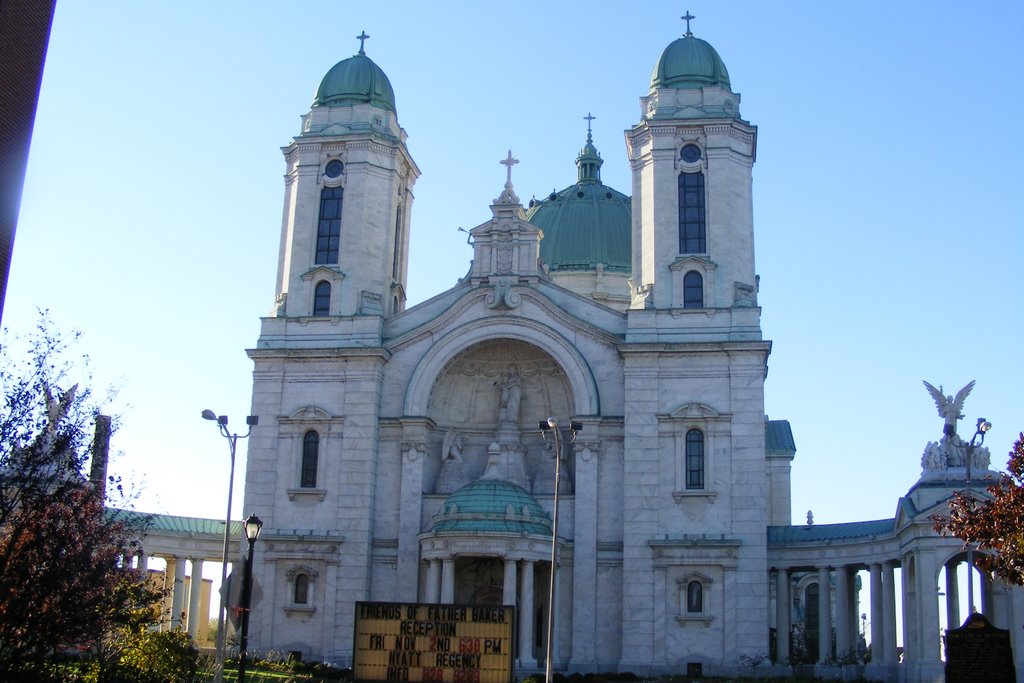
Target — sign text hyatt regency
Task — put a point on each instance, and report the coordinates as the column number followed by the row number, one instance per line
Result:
column 433, row 643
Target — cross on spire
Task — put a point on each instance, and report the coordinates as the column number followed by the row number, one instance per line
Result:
column 362, row 40
column 687, row 17
column 588, row 118
column 509, row 162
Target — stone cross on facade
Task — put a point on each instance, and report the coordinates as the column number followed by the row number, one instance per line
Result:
column 508, row 195
column 687, row 17
column 509, row 162
column 362, row 41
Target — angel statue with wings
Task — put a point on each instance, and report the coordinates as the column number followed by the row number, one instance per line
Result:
column 949, row 407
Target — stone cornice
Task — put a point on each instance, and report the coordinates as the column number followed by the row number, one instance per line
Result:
column 694, row 347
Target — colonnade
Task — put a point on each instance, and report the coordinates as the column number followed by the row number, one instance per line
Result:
column 187, row 608
column 837, row 589
column 927, row 599
column 517, row 590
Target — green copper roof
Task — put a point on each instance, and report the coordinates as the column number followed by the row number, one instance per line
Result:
column 587, row 223
column 355, row 80
column 778, row 437
column 193, row 526
column 689, row 62
column 492, row 505
column 816, row 533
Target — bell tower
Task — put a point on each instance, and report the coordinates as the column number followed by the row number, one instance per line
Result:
column 348, row 199
column 691, row 157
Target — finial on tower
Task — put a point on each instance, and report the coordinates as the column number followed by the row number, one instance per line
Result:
column 687, row 17
column 362, row 41
column 588, row 118
column 509, row 195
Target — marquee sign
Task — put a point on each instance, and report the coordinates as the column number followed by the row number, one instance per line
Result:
column 433, row 643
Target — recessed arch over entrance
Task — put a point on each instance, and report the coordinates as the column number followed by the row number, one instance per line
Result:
column 583, row 394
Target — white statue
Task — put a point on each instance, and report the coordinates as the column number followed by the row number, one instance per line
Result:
column 511, row 395
column 452, row 477
column 949, row 407
column 453, row 445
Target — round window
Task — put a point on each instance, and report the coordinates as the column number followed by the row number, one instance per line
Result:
column 690, row 154
column 334, row 168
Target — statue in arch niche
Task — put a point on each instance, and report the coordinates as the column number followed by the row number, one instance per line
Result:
column 511, row 395
column 452, row 476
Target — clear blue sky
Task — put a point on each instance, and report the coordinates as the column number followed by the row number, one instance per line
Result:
column 888, row 199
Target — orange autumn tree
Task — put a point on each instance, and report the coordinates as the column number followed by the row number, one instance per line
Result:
column 994, row 523
column 64, row 583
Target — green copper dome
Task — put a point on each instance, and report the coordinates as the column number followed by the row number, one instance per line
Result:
column 585, row 224
column 355, row 80
column 689, row 62
column 492, row 505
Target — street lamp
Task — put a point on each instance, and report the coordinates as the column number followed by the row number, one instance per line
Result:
column 983, row 427
column 222, row 423
column 252, row 532
column 551, row 425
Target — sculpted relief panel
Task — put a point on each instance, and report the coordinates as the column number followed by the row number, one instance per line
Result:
column 499, row 382
column 487, row 403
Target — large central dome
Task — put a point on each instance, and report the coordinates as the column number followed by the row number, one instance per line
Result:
column 585, row 224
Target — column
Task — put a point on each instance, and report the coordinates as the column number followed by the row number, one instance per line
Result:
column 824, row 615
column 986, row 595
column 844, row 644
column 927, row 608
column 877, row 618
column 433, row 581
column 526, row 659
column 584, row 605
column 177, row 591
column 508, row 590
column 143, row 563
column 952, row 596
column 196, row 626
column 889, row 612
column 168, row 587
column 783, row 609
column 448, row 580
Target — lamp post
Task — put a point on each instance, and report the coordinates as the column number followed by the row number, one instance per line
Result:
column 222, row 423
column 983, row 427
column 252, row 532
column 551, row 425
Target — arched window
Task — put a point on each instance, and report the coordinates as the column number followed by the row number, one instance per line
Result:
column 694, row 459
column 691, row 214
column 328, row 234
column 301, row 590
column 693, row 290
column 322, row 299
column 694, row 597
column 310, row 459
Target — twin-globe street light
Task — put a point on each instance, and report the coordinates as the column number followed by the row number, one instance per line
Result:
column 551, row 425
column 222, row 423
column 983, row 427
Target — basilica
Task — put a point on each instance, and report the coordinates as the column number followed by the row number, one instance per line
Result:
column 400, row 455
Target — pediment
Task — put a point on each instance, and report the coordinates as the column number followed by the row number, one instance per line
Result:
column 696, row 410
column 688, row 262
column 302, row 569
column 309, row 413
column 323, row 273
column 694, row 576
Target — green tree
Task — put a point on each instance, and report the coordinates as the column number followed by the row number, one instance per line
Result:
column 993, row 524
column 64, row 582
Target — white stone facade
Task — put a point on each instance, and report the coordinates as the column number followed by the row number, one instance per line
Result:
column 665, row 558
